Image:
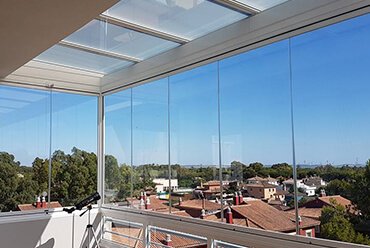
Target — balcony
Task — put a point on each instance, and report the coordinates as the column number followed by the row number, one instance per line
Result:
column 245, row 130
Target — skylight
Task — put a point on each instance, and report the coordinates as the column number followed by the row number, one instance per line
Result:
column 134, row 30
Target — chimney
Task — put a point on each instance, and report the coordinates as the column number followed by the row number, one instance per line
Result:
column 142, row 203
column 180, row 201
column 301, row 231
column 241, row 199
column 147, row 203
column 229, row 216
column 236, row 199
column 144, row 196
column 43, row 202
column 322, row 193
column 168, row 241
column 38, row 202
column 203, row 214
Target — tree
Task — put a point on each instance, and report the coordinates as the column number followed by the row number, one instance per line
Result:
column 8, row 181
column 339, row 187
column 40, row 169
column 361, row 192
column 336, row 225
column 112, row 172
column 237, row 169
column 256, row 166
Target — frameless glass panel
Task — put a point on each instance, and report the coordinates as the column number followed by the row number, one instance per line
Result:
column 187, row 19
column 150, row 145
column 330, row 69
column 112, row 38
column 255, row 119
column 194, row 140
column 81, row 60
column 118, row 148
column 262, row 4
column 24, row 148
column 74, row 146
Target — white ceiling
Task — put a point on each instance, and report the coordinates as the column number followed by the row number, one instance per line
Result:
column 29, row 27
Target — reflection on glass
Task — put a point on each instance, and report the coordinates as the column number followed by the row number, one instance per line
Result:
column 74, row 147
column 109, row 37
column 150, row 144
column 332, row 118
column 187, row 19
column 255, row 113
column 118, row 147
column 24, row 148
column 194, row 137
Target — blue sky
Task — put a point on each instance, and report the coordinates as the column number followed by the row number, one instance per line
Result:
column 25, row 122
column 330, row 79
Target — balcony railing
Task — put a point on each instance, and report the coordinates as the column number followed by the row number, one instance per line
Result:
column 125, row 227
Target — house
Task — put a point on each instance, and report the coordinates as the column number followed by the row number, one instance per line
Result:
column 314, row 181
column 313, row 209
column 323, row 201
column 163, row 184
column 307, row 189
column 261, row 190
column 196, row 207
column 257, row 180
column 258, row 214
column 280, row 195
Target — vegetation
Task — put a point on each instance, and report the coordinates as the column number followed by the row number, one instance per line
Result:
column 73, row 177
column 336, row 225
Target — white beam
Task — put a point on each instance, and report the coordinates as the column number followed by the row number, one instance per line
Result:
column 238, row 6
column 40, row 74
column 142, row 29
column 98, row 51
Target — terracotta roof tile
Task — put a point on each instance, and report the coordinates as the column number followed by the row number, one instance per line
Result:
column 27, row 207
column 198, row 204
column 261, row 185
column 267, row 217
column 314, row 213
column 337, row 198
column 177, row 240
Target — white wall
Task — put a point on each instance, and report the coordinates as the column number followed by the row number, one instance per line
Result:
column 40, row 230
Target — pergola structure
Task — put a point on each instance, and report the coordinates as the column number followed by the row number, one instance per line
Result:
column 97, row 48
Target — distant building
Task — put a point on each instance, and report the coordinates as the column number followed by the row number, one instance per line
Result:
column 314, row 181
column 308, row 190
column 261, row 190
column 163, row 184
column 257, row 180
column 280, row 195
